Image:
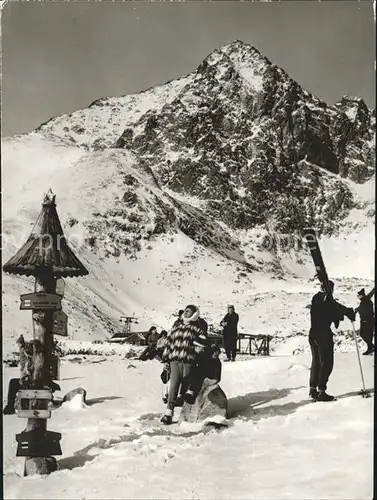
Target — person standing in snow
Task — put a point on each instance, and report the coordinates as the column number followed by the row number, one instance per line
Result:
column 366, row 312
column 229, row 324
column 179, row 355
column 324, row 311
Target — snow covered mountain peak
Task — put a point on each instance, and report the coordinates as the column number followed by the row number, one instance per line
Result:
column 238, row 138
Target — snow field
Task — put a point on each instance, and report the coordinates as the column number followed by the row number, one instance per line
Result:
column 278, row 443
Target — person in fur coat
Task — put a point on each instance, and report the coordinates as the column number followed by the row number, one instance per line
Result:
column 179, row 354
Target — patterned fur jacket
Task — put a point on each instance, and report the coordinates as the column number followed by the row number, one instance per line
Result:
column 180, row 340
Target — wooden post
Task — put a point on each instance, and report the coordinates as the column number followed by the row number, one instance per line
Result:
column 41, row 378
column 45, row 255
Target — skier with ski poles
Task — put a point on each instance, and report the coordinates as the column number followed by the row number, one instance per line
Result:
column 323, row 312
column 365, row 310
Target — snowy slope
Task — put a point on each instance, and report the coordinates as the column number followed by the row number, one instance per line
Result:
column 170, row 269
column 278, row 444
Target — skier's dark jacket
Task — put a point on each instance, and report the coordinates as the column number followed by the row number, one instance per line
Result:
column 366, row 311
column 324, row 311
column 231, row 321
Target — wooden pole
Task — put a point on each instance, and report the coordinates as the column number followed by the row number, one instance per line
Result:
column 41, row 378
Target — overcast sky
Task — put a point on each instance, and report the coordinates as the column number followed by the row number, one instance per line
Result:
column 58, row 57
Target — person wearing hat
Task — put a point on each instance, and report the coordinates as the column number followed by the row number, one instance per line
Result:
column 229, row 324
column 179, row 355
column 324, row 311
column 366, row 313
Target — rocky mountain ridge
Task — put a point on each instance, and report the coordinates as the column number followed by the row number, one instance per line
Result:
column 179, row 194
column 242, row 138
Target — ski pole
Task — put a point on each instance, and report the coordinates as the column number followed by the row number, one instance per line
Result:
column 363, row 392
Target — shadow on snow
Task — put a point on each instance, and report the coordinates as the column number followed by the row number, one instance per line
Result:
column 249, row 405
column 95, row 401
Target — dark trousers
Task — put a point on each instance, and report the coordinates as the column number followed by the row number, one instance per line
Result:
column 322, row 361
column 201, row 369
column 148, row 353
column 230, row 344
column 196, row 378
column 13, row 388
column 366, row 333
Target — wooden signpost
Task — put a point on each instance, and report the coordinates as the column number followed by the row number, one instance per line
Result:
column 46, row 256
column 34, row 403
column 40, row 300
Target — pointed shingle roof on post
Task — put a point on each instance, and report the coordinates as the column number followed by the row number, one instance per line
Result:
column 46, row 248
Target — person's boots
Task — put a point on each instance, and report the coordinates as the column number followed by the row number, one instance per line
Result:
column 313, row 393
column 370, row 350
column 323, row 396
column 167, row 419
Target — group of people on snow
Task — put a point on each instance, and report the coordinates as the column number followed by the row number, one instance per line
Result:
column 324, row 312
column 189, row 355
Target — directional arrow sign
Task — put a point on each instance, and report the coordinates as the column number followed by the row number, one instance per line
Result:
column 41, row 300
column 60, row 325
